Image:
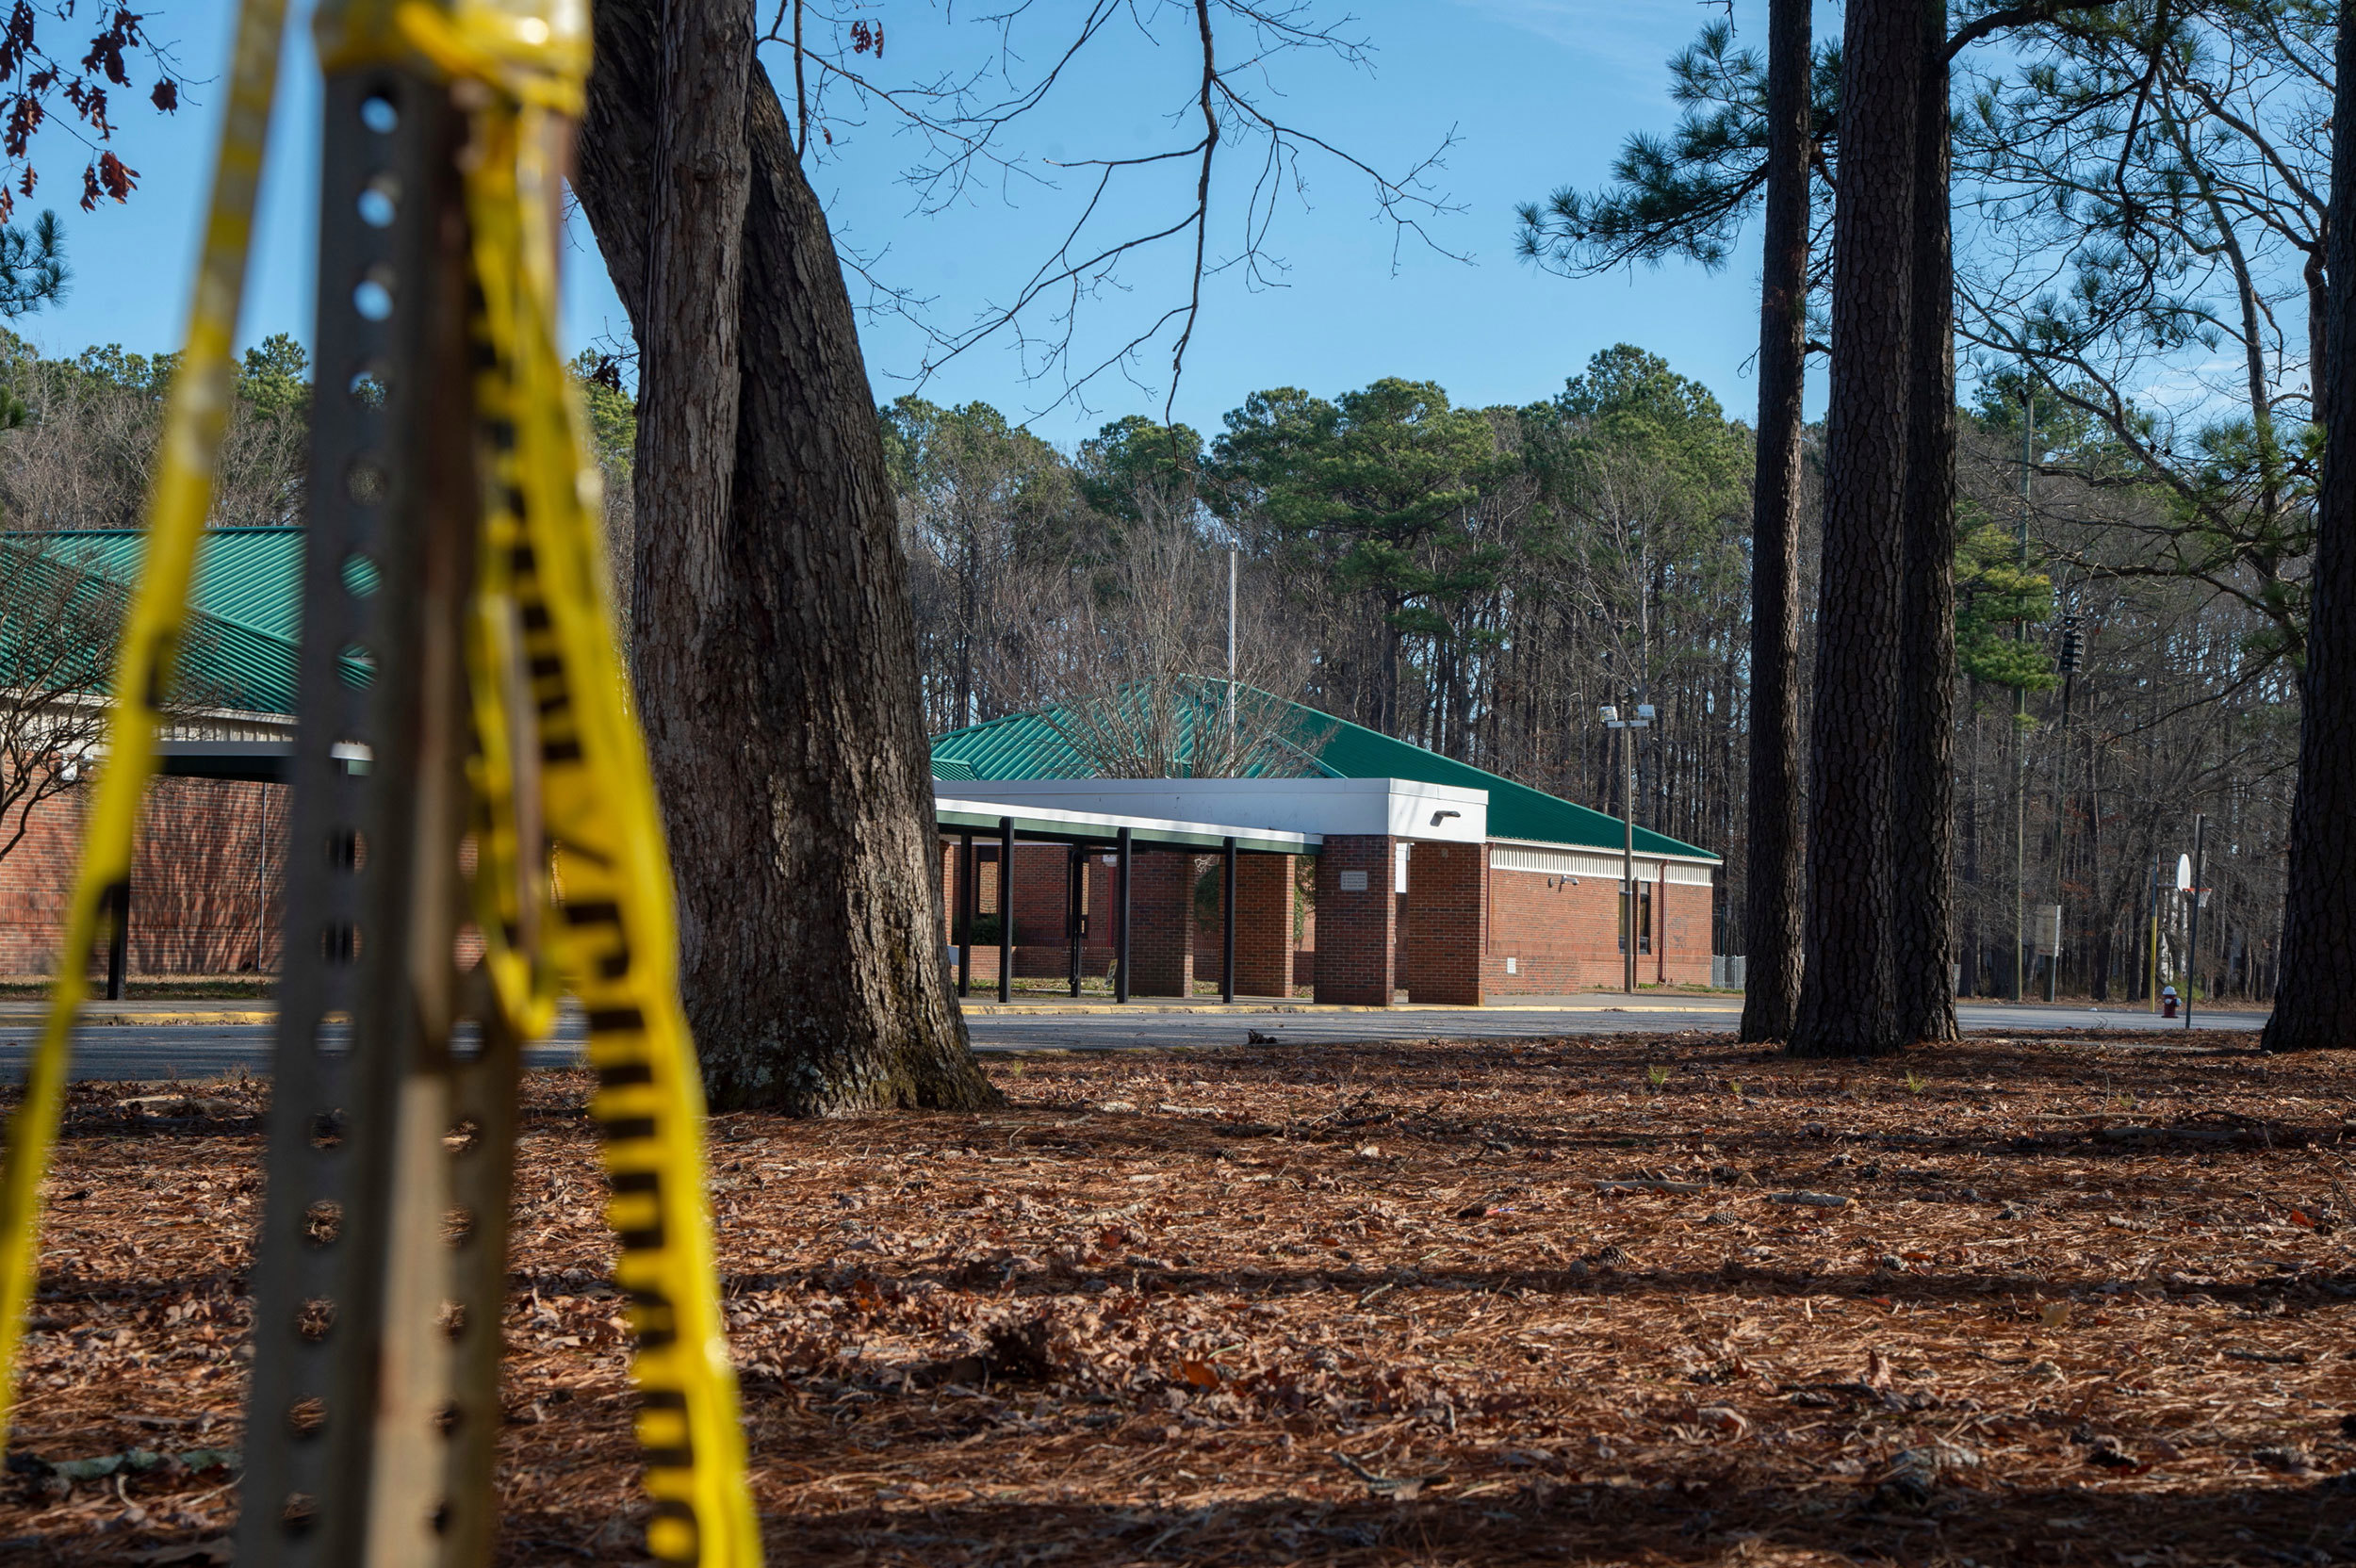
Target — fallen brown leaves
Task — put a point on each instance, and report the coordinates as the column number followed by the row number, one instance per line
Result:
column 1424, row 1303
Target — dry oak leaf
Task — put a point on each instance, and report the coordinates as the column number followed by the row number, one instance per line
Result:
column 1197, row 1374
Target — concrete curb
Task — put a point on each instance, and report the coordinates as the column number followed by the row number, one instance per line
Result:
column 10, row 1016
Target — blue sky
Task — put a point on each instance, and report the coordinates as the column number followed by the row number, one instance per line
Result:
column 1538, row 93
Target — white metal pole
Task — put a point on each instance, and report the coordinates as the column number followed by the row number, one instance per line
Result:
column 1628, row 864
column 1231, row 663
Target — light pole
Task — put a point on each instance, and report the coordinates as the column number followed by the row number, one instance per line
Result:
column 1642, row 720
column 2020, row 959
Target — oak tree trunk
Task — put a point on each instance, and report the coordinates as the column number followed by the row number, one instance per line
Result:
column 2315, row 999
column 1773, row 889
column 1924, row 850
column 1847, row 1000
column 773, row 645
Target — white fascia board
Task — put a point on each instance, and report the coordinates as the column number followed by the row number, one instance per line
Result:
column 1614, row 851
column 1031, row 817
column 1398, row 807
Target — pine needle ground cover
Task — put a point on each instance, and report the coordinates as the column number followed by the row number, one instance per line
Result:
column 1636, row 1299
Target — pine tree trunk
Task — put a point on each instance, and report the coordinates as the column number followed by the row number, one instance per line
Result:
column 771, row 619
column 1772, row 894
column 1847, row 996
column 2314, row 1001
column 1924, row 858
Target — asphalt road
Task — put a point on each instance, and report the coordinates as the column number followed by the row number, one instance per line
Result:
column 189, row 1051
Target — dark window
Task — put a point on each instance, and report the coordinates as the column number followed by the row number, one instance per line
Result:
column 1644, row 918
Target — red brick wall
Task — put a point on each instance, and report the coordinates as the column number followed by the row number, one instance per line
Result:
column 1447, row 923
column 1041, row 890
column 1161, row 950
column 1682, row 941
column 208, row 880
column 1357, row 930
column 1564, row 939
column 1264, row 924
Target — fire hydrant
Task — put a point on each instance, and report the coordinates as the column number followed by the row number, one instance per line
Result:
column 2168, row 1002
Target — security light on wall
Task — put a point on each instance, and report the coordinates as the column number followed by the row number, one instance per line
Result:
column 1608, row 713
column 1439, row 817
column 1644, row 712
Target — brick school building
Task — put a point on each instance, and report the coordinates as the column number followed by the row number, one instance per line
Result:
column 1383, row 871
column 208, row 866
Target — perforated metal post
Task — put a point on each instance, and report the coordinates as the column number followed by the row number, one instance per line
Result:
column 373, row 1410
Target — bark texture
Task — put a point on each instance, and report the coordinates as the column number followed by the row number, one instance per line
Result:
column 688, row 364
column 2314, row 1005
column 1772, row 879
column 1846, row 993
column 1924, row 848
column 792, row 763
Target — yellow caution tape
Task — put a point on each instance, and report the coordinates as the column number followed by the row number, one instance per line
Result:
column 193, row 421
column 542, row 652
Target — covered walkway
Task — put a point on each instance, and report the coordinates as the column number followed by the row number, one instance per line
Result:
column 1141, row 914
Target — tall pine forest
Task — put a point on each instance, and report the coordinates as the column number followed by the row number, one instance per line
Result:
column 1478, row 581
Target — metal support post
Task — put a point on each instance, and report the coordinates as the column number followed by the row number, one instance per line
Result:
column 1005, row 908
column 965, row 914
column 373, row 1417
column 1120, row 955
column 119, row 941
column 1227, row 921
column 1642, row 719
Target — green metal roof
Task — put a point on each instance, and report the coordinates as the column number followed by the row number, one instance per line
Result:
column 247, row 602
column 1030, row 745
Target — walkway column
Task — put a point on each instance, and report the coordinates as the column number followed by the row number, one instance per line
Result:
column 966, row 901
column 119, row 940
column 1005, row 908
column 1448, row 906
column 1357, row 920
column 1262, row 957
column 1121, row 951
column 1227, row 921
column 1076, row 906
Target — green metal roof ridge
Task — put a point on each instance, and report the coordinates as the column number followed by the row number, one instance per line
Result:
column 254, row 664
column 1027, row 745
column 125, row 570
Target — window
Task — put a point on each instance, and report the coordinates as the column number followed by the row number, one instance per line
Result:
column 1643, row 917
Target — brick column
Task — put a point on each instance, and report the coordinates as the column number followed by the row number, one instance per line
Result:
column 1264, row 924
column 1447, row 906
column 1162, row 946
column 1358, row 923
